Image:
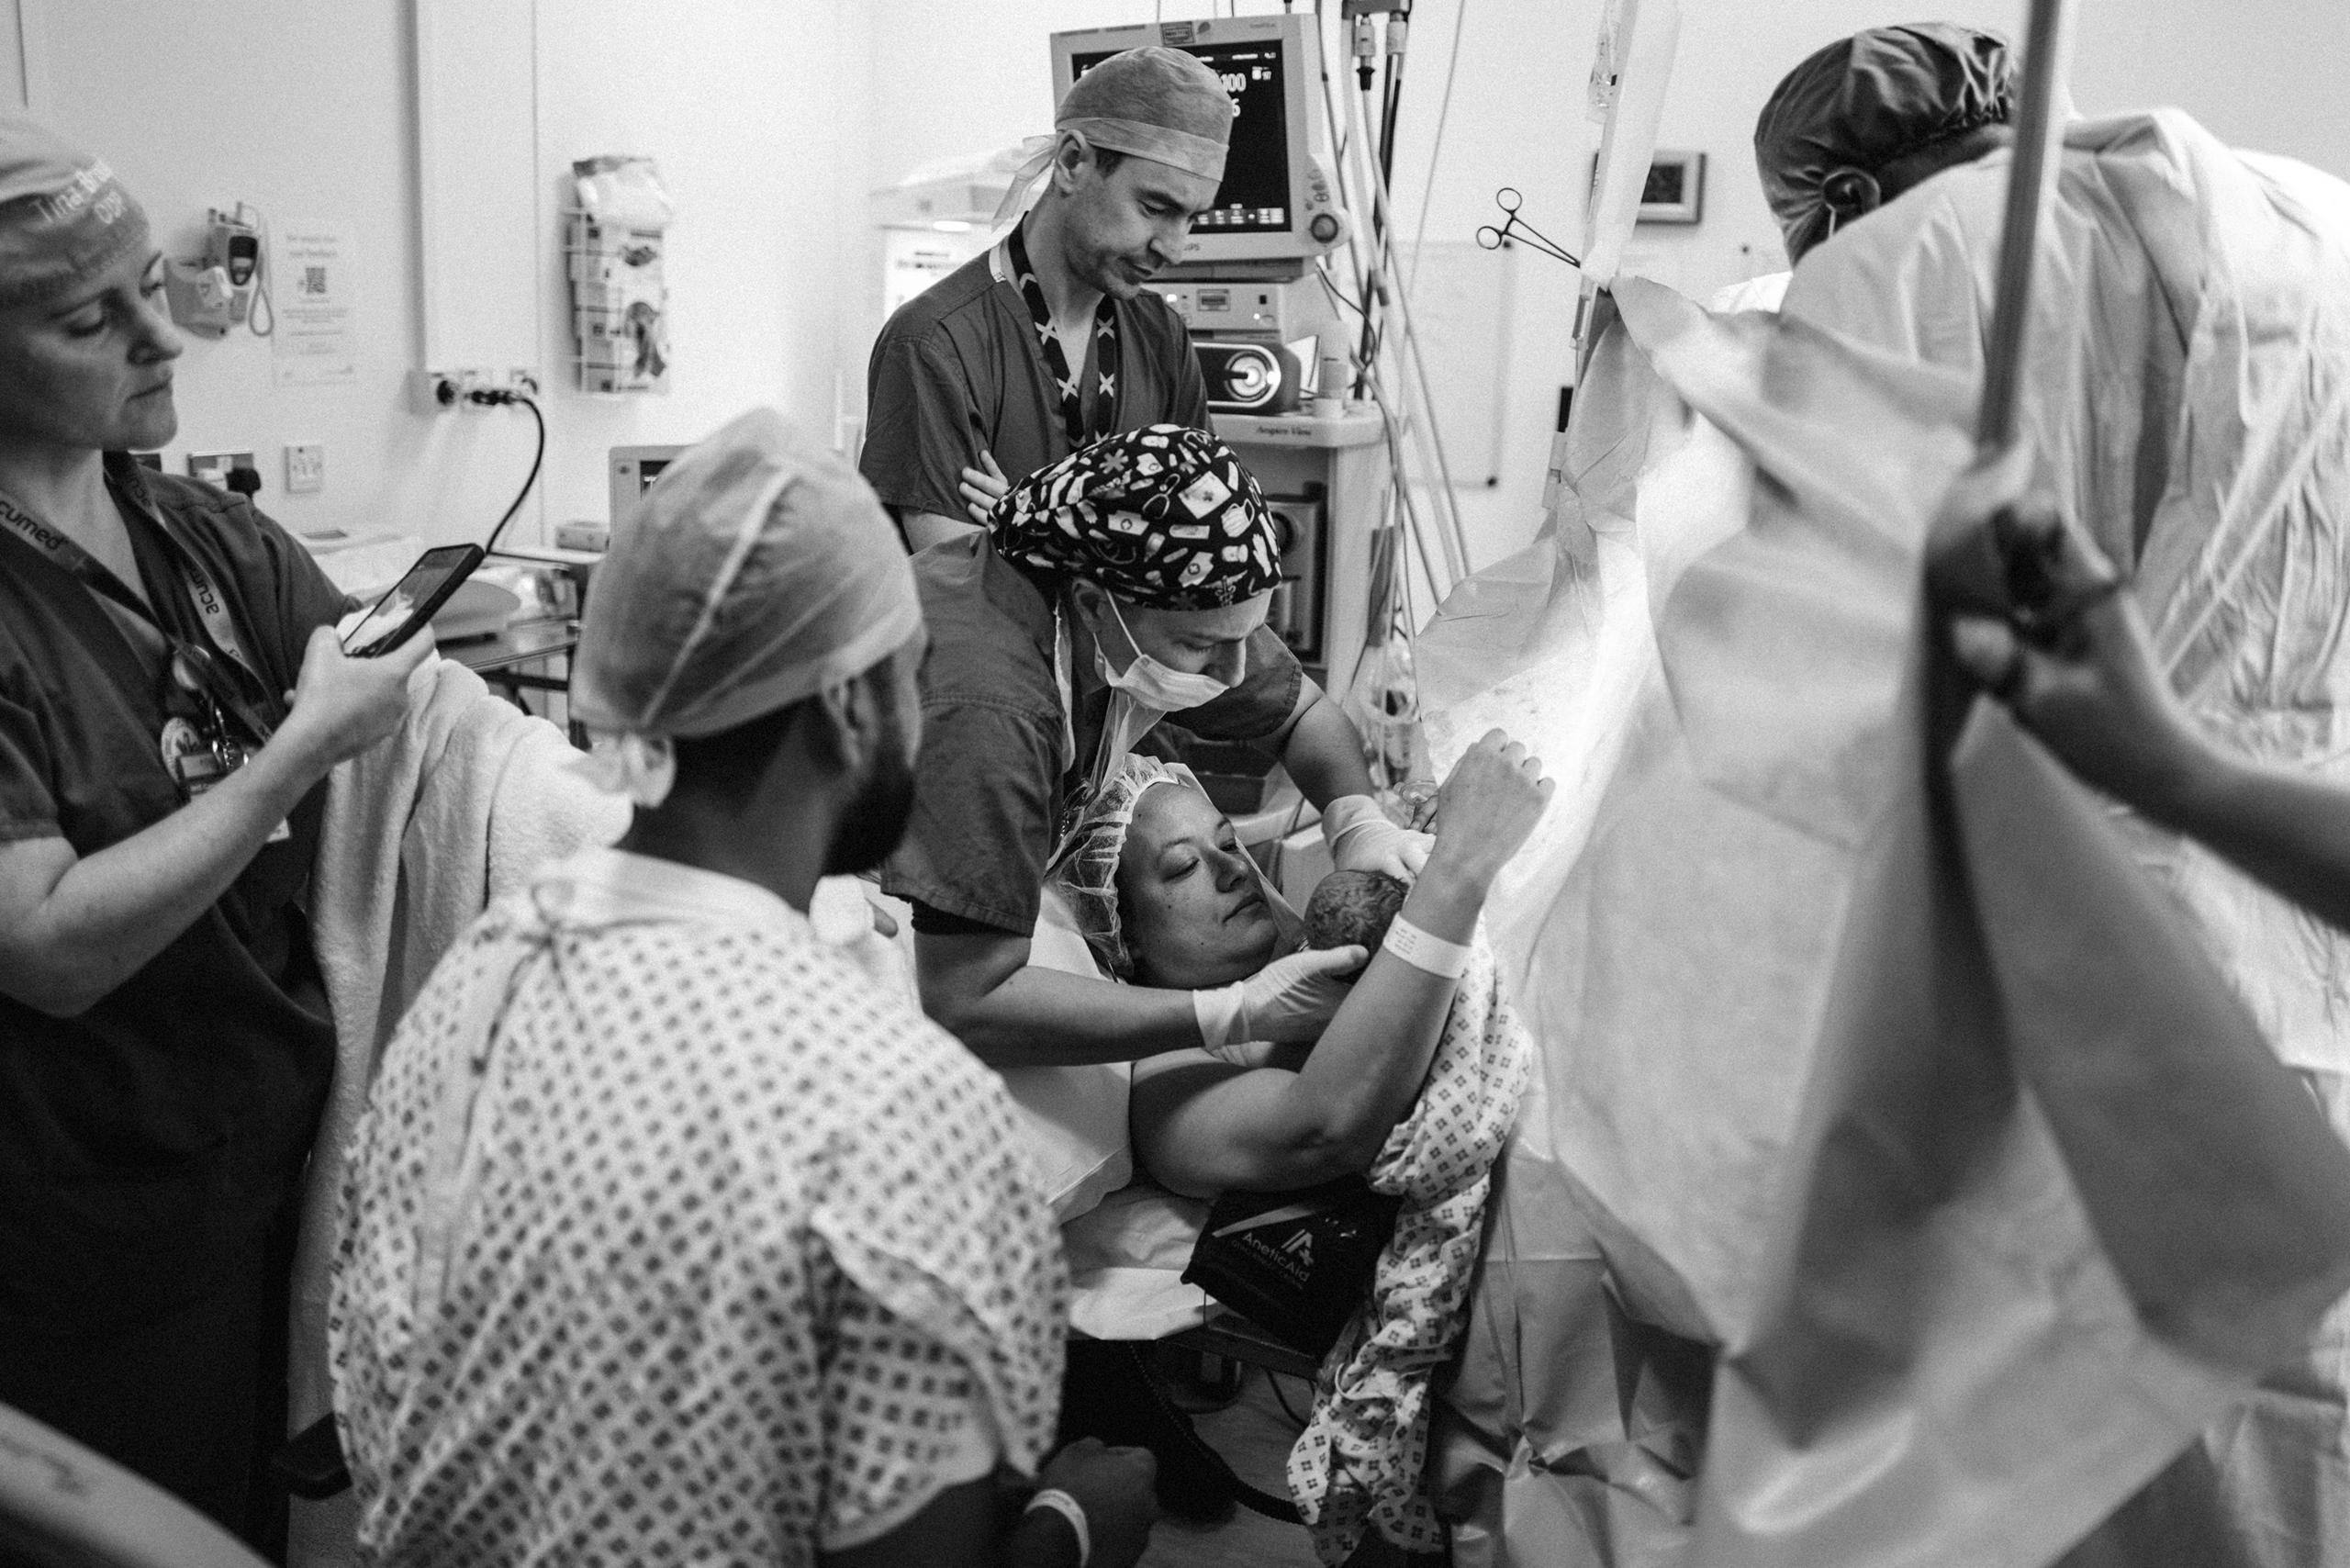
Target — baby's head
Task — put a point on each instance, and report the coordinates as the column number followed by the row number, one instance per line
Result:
column 1353, row 909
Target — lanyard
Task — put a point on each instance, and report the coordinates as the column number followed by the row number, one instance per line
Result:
column 211, row 605
column 1068, row 379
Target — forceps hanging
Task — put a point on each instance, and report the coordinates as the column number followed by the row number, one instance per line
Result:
column 1513, row 227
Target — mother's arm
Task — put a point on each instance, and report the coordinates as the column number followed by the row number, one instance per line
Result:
column 1202, row 1127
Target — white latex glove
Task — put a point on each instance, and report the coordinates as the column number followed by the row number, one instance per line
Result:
column 1362, row 839
column 1287, row 1001
column 845, row 918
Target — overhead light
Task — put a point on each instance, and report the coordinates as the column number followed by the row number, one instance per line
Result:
column 950, row 226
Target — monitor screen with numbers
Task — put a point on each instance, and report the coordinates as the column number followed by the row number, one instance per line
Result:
column 1272, row 66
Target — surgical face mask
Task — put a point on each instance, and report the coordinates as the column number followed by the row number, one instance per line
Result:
column 1152, row 684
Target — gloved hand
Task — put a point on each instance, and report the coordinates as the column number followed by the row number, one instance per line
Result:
column 1362, row 839
column 1289, row 1000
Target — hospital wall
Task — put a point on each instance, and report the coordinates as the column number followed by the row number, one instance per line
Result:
column 307, row 109
column 773, row 118
column 2260, row 72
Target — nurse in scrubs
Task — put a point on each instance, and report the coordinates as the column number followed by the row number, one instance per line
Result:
column 1123, row 585
column 172, row 699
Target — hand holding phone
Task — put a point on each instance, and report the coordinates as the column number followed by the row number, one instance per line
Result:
column 413, row 601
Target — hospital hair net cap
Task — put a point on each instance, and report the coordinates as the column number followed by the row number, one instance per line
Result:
column 1086, row 870
column 1166, row 515
column 64, row 216
column 1865, row 101
column 757, row 570
column 1152, row 102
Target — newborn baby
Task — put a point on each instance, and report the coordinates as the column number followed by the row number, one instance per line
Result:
column 1353, row 909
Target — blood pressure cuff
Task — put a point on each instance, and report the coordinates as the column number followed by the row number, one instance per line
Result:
column 1296, row 1264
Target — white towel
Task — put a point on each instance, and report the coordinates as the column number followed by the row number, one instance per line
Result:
column 1357, row 1463
column 421, row 833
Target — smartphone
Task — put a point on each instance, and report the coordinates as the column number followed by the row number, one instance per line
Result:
column 413, row 599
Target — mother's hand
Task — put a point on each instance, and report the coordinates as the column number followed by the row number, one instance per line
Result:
column 1488, row 807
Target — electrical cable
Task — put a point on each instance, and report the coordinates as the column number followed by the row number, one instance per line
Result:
column 1367, row 381
column 1436, row 147
column 262, row 304
column 1376, row 287
column 1452, row 540
column 1415, row 366
column 1341, row 133
column 1374, row 290
column 1398, row 37
column 1273, row 1382
column 1331, row 285
column 491, row 398
column 1387, row 116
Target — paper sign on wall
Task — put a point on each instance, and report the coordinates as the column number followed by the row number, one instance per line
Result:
column 315, row 294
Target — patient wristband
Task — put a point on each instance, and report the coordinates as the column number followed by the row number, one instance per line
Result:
column 1069, row 1508
column 1430, row 955
column 1222, row 1016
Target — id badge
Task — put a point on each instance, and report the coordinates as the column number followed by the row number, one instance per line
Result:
column 197, row 763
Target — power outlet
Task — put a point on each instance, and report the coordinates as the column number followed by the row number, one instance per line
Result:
column 306, row 469
column 212, row 467
column 441, row 391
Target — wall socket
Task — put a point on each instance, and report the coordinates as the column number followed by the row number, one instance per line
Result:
column 441, row 391
column 306, row 468
column 212, row 467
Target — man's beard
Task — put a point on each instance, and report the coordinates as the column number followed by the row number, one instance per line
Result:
column 870, row 830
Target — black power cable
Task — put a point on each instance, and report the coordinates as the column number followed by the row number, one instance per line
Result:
column 490, row 398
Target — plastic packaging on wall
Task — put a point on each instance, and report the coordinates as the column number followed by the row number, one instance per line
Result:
column 620, row 295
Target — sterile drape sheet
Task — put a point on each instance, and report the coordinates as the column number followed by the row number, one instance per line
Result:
column 1869, row 1055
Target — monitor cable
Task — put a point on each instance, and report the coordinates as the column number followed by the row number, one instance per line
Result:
column 488, row 397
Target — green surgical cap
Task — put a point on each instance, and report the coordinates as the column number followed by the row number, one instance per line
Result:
column 1154, row 103
column 756, row 570
column 1867, row 100
column 64, row 216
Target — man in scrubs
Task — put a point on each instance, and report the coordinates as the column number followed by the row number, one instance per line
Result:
column 1126, row 584
column 172, row 698
column 1053, row 339
column 2182, row 395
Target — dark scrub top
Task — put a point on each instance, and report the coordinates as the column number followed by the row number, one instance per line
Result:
column 958, row 369
column 148, row 1146
column 990, row 792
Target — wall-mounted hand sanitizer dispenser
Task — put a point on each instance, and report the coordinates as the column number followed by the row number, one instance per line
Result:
column 200, row 297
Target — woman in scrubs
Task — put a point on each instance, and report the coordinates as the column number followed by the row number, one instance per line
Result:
column 1123, row 585
column 172, row 697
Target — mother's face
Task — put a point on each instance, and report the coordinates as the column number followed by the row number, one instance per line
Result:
column 1195, row 915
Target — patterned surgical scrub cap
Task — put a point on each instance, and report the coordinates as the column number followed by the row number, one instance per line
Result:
column 1166, row 516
